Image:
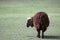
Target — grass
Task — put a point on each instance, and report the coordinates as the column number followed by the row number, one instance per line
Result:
column 14, row 13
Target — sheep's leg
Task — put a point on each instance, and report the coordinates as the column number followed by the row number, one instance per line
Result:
column 43, row 30
column 42, row 33
column 38, row 35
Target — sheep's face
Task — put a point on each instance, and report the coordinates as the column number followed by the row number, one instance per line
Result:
column 29, row 23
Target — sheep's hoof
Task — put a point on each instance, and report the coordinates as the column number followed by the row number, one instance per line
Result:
column 38, row 36
column 42, row 36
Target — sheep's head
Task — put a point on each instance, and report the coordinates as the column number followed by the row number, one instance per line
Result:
column 29, row 22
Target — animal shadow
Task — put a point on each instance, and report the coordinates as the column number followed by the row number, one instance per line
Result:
column 51, row 37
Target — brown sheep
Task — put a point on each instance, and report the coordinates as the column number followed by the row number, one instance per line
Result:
column 40, row 21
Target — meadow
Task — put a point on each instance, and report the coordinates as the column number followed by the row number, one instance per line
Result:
column 13, row 17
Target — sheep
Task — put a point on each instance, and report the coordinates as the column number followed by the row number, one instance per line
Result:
column 40, row 21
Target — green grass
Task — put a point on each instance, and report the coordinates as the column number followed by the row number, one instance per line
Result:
column 13, row 17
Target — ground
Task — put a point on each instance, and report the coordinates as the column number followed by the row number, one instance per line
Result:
column 13, row 17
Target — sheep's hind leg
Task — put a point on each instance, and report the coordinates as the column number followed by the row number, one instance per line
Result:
column 38, row 35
